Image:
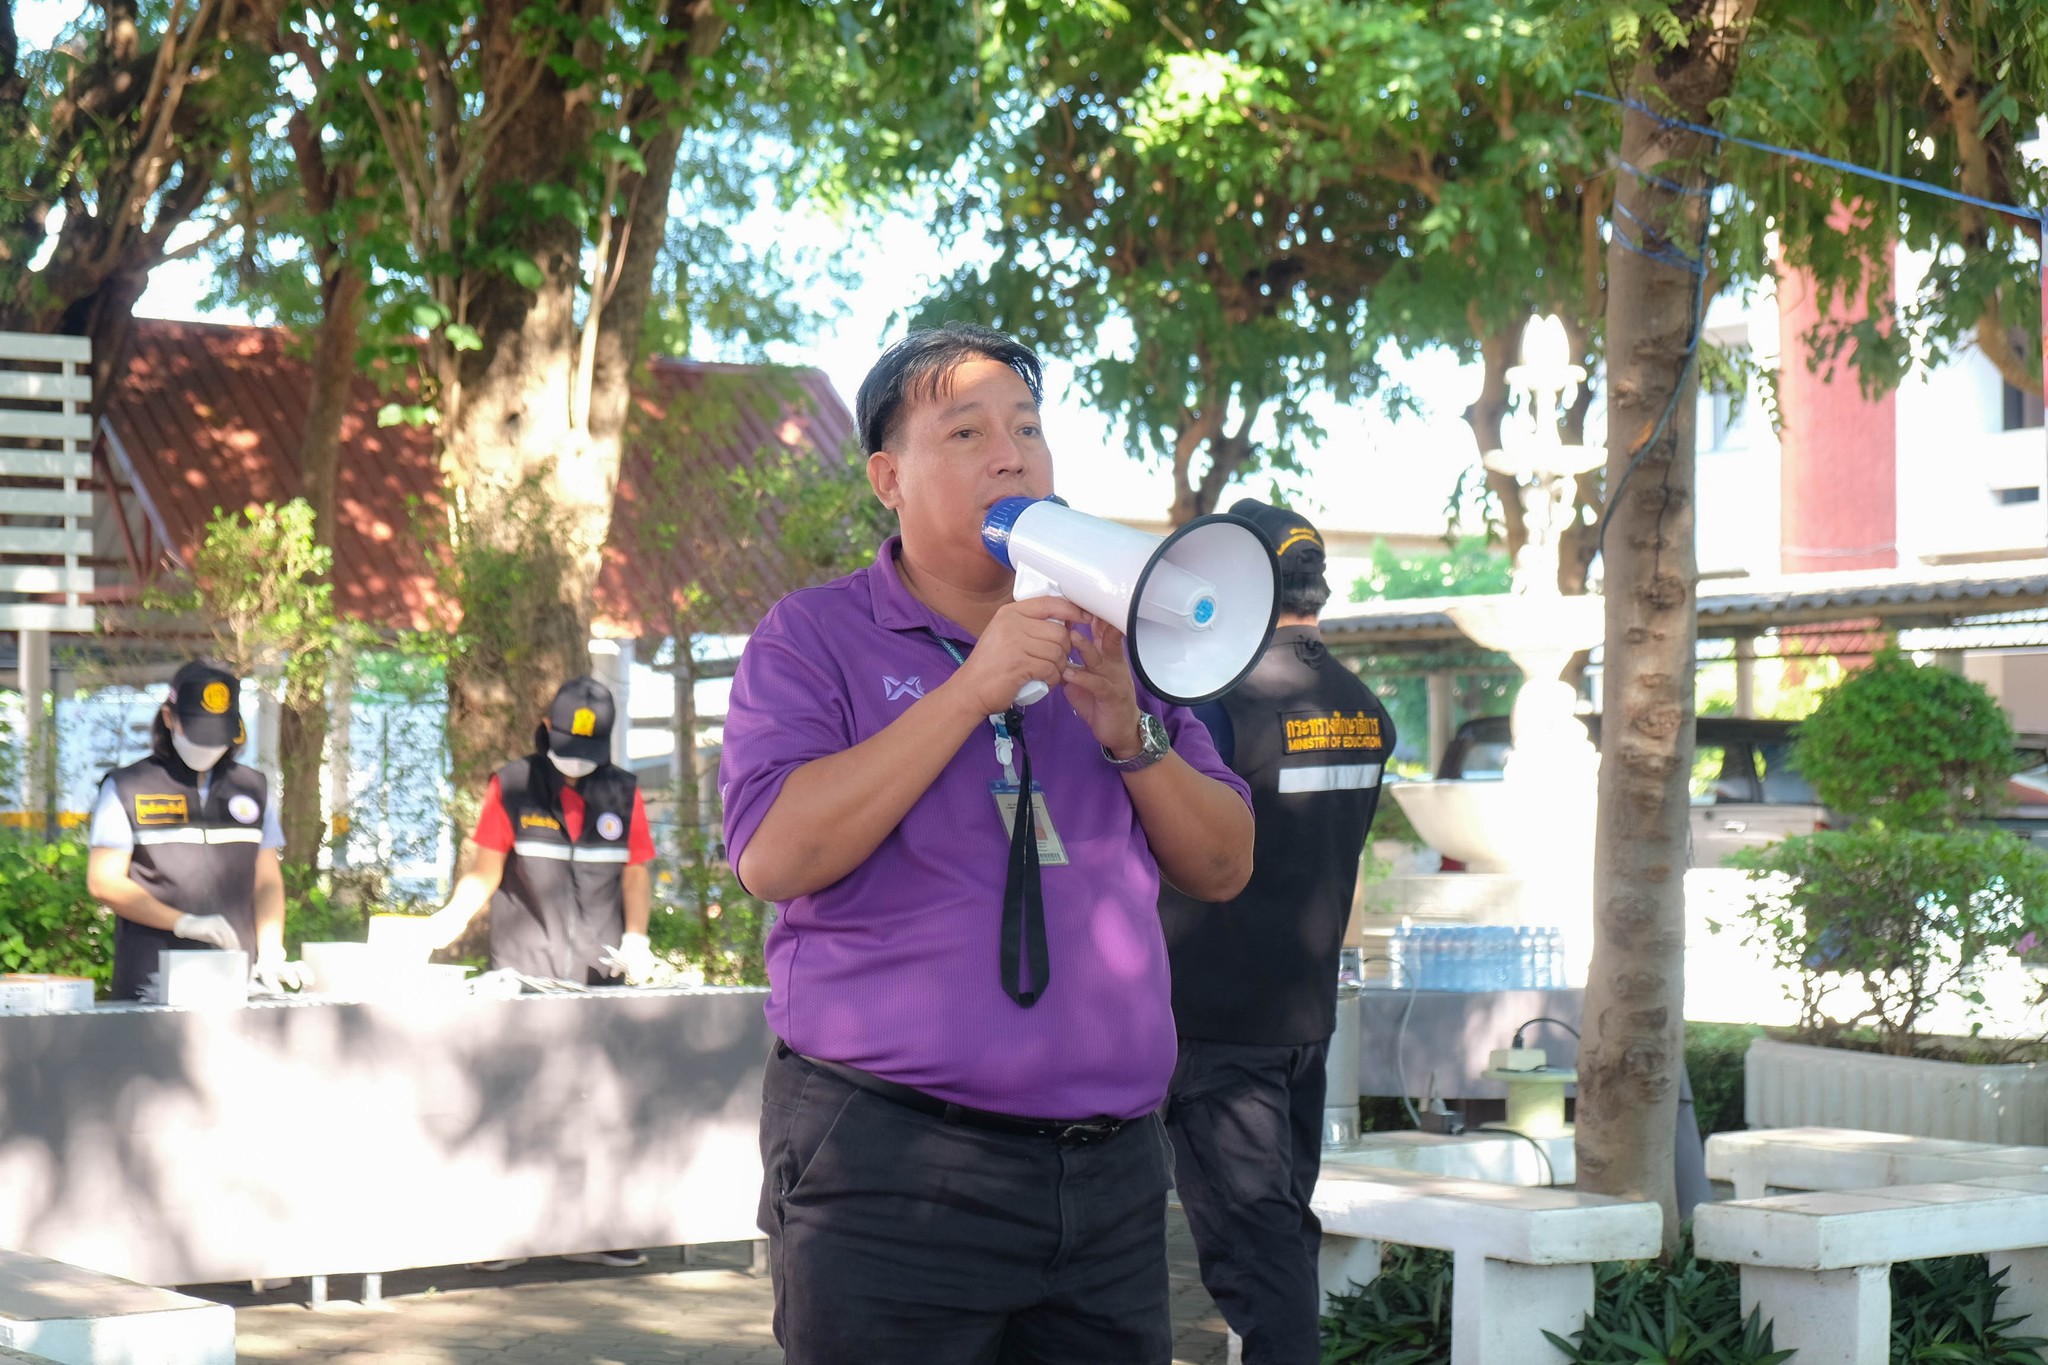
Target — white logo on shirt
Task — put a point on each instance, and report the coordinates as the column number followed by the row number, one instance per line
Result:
column 610, row 826
column 895, row 689
column 244, row 808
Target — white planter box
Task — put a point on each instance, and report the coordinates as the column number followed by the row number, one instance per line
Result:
column 1789, row 1085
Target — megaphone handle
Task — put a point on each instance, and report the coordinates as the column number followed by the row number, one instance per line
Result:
column 1031, row 583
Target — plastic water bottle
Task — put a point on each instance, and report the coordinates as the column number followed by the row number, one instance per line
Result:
column 1526, row 975
column 1397, row 958
column 1553, row 960
column 1463, row 964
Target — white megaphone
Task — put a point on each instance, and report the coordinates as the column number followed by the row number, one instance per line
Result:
column 1196, row 608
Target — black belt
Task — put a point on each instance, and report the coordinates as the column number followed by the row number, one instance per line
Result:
column 1076, row 1132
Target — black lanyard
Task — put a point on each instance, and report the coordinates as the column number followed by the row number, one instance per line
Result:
column 1023, row 933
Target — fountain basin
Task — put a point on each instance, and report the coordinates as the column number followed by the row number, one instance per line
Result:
column 1528, row 828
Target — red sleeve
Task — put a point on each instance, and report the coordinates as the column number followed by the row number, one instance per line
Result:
column 493, row 827
column 639, row 837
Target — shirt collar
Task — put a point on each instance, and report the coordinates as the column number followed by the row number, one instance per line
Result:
column 1288, row 634
column 896, row 608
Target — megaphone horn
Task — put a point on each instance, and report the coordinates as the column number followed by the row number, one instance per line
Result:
column 1196, row 607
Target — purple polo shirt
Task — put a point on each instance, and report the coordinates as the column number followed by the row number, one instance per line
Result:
column 894, row 968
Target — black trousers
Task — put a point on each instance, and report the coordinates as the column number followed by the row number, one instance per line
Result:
column 895, row 1238
column 1247, row 1128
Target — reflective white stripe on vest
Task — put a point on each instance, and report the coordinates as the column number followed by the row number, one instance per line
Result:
column 184, row 834
column 1337, row 777
column 568, row 853
column 192, row 834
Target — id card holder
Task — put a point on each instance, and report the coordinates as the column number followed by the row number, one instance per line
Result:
column 1051, row 852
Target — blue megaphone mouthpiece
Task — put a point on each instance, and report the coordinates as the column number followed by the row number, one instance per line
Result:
column 1002, row 519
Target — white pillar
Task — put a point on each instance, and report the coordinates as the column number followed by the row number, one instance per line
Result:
column 341, row 684
column 1745, row 676
column 1440, row 728
column 268, row 712
column 1501, row 1309
column 611, row 663
column 38, row 752
column 1831, row 1317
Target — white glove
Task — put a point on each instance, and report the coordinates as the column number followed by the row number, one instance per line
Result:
column 275, row 975
column 632, row 959
column 213, row 929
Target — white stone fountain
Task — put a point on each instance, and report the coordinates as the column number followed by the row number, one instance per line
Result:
column 1532, row 829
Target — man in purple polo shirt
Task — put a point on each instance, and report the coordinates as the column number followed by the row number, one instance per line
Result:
column 963, row 1156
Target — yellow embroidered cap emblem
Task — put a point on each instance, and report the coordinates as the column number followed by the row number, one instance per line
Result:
column 215, row 698
column 584, row 722
column 1300, row 535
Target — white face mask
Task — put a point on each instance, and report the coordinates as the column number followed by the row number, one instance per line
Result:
column 572, row 767
column 198, row 757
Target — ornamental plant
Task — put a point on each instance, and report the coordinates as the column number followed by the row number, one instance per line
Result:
column 1901, row 907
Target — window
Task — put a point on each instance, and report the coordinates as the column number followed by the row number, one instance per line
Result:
column 2022, row 409
column 1722, row 773
column 2013, row 497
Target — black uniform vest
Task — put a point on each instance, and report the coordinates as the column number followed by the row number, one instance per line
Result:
column 559, row 904
column 194, row 857
column 1312, row 741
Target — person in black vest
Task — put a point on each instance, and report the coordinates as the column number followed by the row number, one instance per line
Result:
column 185, row 842
column 562, row 848
column 1255, row 978
column 562, row 853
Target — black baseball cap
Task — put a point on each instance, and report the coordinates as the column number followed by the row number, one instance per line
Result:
column 580, row 720
column 1296, row 542
column 207, row 701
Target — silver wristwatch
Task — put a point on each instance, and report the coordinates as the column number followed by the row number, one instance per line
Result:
column 1154, row 746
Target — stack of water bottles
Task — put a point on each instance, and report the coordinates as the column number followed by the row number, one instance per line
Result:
column 1476, row 957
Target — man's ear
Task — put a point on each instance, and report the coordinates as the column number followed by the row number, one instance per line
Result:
column 882, row 477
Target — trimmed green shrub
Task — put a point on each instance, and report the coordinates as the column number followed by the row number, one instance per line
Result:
column 1907, row 745
column 1713, row 1062
column 1909, row 915
column 48, row 921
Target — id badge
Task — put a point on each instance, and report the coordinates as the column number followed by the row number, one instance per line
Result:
column 1051, row 852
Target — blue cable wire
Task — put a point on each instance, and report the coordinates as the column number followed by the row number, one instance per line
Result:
column 1815, row 158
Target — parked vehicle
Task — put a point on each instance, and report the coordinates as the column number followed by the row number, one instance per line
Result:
column 1746, row 792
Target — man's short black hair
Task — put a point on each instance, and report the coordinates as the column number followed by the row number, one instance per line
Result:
column 916, row 366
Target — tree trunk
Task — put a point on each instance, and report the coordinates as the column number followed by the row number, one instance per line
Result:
column 1632, row 1055
column 1489, row 411
column 303, row 716
column 689, row 823
column 527, row 633
column 301, row 741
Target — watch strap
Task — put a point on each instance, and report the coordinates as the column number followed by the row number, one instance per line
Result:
column 1154, row 745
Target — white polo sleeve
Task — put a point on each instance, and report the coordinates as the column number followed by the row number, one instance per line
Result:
column 110, row 827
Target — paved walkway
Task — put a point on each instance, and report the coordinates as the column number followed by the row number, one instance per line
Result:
column 551, row 1312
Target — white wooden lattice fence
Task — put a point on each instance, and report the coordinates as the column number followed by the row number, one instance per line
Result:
column 46, row 511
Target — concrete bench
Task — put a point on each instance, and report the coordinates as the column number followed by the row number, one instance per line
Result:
column 1762, row 1160
column 1522, row 1259
column 1818, row 1266
column 75, row 1316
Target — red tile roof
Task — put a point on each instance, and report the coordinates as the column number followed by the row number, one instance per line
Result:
column 211, row 417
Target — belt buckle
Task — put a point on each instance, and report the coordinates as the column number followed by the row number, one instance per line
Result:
column 1081, row 1134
